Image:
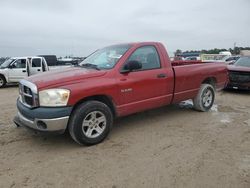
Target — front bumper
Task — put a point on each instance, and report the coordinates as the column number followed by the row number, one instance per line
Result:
column 43, row 119
column 235, row 85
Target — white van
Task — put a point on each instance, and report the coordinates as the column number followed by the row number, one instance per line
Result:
column 227, row 53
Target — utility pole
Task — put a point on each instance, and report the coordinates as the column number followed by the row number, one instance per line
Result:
column 234, row 48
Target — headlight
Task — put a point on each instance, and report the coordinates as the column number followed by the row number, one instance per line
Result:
column 54, row 97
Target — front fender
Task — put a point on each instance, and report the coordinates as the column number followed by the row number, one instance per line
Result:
column 4, row 73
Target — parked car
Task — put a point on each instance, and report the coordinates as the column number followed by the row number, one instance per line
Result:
column 239, row 74
column 17, row 68
column 112, row 82
column 231, row 60
column 52, row 61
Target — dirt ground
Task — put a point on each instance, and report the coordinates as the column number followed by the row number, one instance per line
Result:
column 172, row 146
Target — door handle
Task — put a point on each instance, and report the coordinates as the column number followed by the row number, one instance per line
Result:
column 38, row 70
column 161, row 75
column 24, row 71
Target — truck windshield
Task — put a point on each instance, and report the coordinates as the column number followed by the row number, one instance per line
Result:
column 243, row 61
column 6, row 63
column 105, row 58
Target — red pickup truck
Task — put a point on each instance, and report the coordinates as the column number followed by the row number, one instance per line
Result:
column 114, row 81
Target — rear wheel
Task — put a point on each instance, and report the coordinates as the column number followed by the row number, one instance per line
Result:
column 205, row 98
column 91, row 123
column 2, row 81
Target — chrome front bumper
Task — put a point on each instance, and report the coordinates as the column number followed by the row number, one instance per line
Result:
column 43, row 125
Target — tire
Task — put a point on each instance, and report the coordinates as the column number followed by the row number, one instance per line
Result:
column 205, row 98
column 90, row 123
column 2, row 81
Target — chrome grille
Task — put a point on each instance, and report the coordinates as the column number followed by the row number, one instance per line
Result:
column 27, row 95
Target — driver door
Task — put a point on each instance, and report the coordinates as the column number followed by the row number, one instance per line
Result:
column 18, row 70
column 149, row 87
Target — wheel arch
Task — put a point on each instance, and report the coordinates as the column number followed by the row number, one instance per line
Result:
column 210, row 80
column 3, row 76
column 101, row 98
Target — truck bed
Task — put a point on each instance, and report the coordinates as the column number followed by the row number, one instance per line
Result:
column 185, row 62
column 188, row 72
column 191, row 62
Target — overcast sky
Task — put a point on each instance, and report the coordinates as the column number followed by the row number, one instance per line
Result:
column 78, row 27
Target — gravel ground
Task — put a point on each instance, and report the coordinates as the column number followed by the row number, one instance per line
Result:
column 172, row 146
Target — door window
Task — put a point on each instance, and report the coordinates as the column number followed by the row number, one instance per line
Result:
column 19, row 64
column 147, row 56
column 36, row 62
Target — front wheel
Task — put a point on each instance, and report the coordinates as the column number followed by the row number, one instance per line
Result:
column 205, row 98
column 91, row 123
column 2, row 81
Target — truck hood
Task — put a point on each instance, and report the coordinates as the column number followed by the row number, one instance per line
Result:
column 57, row 78
column 238, row 68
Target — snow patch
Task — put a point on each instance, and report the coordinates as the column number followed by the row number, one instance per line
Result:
column 225, row 118
column 186, row 104
column 214, row 108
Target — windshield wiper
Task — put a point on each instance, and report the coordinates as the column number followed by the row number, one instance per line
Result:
column 89, row 65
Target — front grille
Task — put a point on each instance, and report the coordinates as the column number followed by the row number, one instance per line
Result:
column 239, row 77
column 27, row 90
column 27, row 97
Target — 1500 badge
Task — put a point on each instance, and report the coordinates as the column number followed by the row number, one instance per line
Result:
column 126, row 90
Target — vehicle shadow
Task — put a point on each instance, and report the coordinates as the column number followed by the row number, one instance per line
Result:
column 124, row 124
column 48, row 140
column 148, row 118
column 10, row 86
column 237, row 91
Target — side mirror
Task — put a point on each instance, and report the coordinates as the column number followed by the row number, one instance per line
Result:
column 131, row 65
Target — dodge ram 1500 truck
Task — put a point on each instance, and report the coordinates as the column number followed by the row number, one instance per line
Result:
column 114, row 81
